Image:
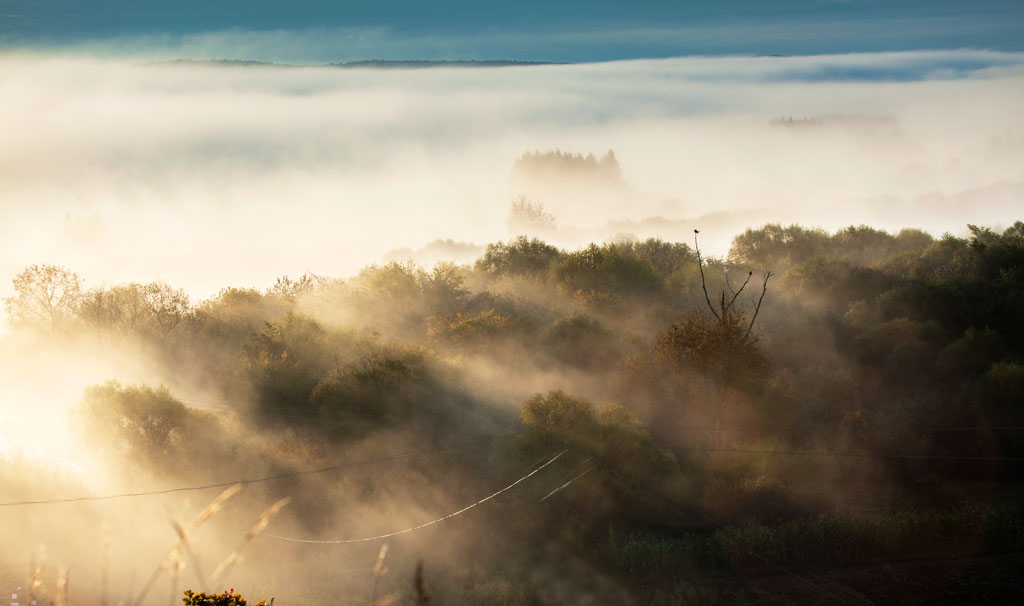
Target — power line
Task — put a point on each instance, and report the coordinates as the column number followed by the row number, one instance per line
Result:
column 916, row 429
column 280, row 476
column 425, row 524
column 855, row 455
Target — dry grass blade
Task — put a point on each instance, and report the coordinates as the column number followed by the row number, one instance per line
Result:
column 62, row 587
column 214, row 507
column 173, row 554
column 190, row 553
column 176, row 565
column 422, row 599
column 257, row 528
column 378, row 571
column 105, row 563
column 36, row 566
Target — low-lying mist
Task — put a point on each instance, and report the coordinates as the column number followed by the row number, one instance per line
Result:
column 205, row 175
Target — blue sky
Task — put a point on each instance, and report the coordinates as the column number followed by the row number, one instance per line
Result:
column 569, row 30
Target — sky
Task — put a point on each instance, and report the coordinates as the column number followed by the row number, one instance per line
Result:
column 318, row 31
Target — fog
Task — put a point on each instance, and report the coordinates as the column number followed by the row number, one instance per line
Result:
column 207, row 176
column 381, row 396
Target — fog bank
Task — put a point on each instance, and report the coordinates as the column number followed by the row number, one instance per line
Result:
column 210, row 175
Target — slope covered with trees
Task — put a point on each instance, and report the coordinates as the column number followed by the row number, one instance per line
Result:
column 812, row 400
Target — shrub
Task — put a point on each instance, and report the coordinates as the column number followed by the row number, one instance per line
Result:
column 228, row 598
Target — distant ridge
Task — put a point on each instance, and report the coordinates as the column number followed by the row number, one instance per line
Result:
column 219, row 62
column 365, row 64
column 418, row 64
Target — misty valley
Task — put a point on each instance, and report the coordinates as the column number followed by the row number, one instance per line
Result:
column 810, row 417
column 307, row 310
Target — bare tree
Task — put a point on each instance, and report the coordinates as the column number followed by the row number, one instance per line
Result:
column 720, row 347
column 724, row 307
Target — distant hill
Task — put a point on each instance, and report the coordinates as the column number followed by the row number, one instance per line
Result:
column 419, row 64
column 365, row 64
column 218, row 63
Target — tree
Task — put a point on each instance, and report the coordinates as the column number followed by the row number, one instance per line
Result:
column 525, row 215
column 167, row 306
column 727, row 308
column 615, row 451
column 290, row 289
column 154, row 309
column 46, row 297
column 720, row 347
column 520, row 256
column 147, row 426
column 444, row 287
column 608, row 269
column 775, row 245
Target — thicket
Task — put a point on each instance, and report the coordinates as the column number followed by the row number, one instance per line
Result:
column 877, row 398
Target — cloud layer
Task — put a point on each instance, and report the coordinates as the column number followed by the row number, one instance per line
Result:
column 207, row 176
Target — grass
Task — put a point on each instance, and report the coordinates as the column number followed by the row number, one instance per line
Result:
column 824, row 541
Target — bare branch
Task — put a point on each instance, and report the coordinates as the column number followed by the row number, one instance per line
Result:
column 736, row 294
column 700, row 264
column 764, row 290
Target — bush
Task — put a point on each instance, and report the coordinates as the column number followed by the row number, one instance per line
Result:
column 228, row 598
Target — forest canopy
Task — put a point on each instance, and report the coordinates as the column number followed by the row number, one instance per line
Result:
column 663, row 376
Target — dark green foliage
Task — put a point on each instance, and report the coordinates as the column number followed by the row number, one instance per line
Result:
column 444, row 288
column 148, row 428
column 287, row 359
column 972, row 353
column 903, row 349
column 614, row 443
column 392, row 282
column 467, row 329
column 651, row 555
column 235, row 313
column 383, row 384
column 822, row 542
column 868, row 345
column 520, row 256
column 612, row 268
column 946, row 258
column 582, row 341
column 1000, row 394
column 777, row 247
column 721, row 349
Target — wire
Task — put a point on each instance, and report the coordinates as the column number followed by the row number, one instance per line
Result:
column 281, row 476
column 566, row 485
column 425, row 524
column 857, row 455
